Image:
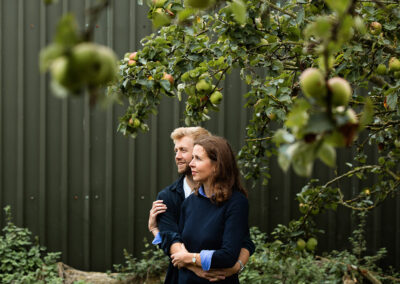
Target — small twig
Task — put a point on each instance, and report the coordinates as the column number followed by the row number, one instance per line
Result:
column 352, row 172
column 284, row 11
column 259, row 139
column 94, row 14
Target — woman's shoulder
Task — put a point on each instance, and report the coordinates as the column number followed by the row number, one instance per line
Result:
column 238, row 197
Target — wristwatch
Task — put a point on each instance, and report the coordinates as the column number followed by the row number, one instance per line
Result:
column 241, row 266
column 194, row 258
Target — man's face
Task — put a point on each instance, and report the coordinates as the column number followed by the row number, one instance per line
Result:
column 183, row 154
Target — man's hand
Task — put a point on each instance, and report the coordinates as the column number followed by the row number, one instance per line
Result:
column 157, row 208
column 212, row 275
column 220, row 274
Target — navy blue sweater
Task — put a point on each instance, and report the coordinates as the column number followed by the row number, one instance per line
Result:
column 173, row 196
column 205, row 225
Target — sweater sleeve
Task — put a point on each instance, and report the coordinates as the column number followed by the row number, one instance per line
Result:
column 235, row 231
column 248, row 244
column 168, row 223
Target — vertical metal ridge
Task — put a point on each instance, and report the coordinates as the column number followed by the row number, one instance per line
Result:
column 1, row 114
column 86, row 182
column 20, row 115
column 153, row 155
column 64, row 188
column 132, row 146
column 109, row 156
column 86, row 174
column 176, row 115
column 221, row 115
column 42, row 132
column 397, row 238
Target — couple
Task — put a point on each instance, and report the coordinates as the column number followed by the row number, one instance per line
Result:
column 205, row 233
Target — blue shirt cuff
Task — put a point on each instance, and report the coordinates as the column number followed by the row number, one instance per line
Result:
column 206, row 256
column 157, row 239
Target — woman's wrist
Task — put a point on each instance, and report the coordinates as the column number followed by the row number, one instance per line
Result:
column 154, row 231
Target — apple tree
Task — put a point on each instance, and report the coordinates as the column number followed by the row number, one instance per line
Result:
column 326, row 72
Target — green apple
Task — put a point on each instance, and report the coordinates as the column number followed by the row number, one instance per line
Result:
column 203, row 86
column 258, row 23
column 168, row 77
column 86, row 60
column 394, row 64
column 59, row 69
column 108, row 65
column 64, row 74
column 375, row 28
column 340, row 90
column 132, row 63
column 95, row 63
column 397, row 74
column 133, row 56
column 300, row 244
column 216, row 98
column 381, row 69
column 135, row 122
column 351, row 116
column 312, row 83
column 311, row 244
column 303, row 208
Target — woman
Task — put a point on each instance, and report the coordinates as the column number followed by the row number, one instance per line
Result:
column 214, row 220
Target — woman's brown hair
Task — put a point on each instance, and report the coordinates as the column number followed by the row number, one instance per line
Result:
column 226, row 176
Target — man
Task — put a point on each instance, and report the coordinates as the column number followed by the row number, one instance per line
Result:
column 167, row 210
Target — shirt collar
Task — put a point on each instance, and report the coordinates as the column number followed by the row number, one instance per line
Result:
column 201, row 192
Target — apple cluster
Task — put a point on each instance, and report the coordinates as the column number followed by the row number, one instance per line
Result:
column 87, row 64
column 310, row 245
column 336, row 89
column 131, row 61
column 203, row 88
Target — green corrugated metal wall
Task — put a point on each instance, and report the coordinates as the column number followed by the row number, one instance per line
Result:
column 86, row 190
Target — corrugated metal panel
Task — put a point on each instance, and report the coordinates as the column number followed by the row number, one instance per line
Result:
column 86, row 190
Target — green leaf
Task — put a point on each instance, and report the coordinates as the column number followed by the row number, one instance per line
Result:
column 321, row 28
column 166, row 85
column 298, row 116
column 185, row 14
column 67, row 31
column 319, row 123
column 339, row 6
column 283, row 136
column 303, row 159
column 327, row 154
column 160, row 20
column 285, row 155
column 391, row 101
column 239, row 11
column 48, row 54
column 367, row 114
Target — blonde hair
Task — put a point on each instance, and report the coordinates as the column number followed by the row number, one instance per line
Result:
column 193, row 132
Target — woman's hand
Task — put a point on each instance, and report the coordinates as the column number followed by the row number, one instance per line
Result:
column 157, row 208
column 181, row 258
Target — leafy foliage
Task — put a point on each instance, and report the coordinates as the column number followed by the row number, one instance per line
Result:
column 272, row 262
column 152, row 264
column 22, row 261
column 272, row 48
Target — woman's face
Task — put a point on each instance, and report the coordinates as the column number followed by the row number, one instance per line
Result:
column 201, row 165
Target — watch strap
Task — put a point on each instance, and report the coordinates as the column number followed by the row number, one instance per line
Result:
column 241, row 266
